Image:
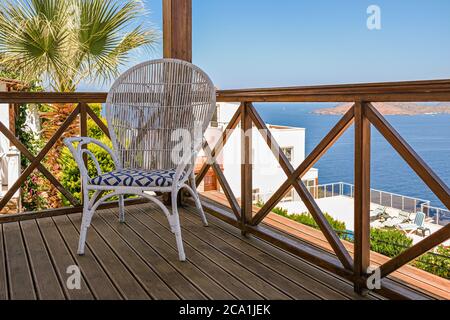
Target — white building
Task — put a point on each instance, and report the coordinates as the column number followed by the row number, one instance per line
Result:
column 267, row 173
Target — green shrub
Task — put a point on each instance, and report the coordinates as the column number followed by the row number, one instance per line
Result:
column 438, row 263
column 307, row 219
column 389, row 242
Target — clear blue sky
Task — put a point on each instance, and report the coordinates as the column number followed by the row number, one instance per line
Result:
column 253, row 43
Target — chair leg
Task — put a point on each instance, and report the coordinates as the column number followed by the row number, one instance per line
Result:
column 176, row 227
column 85, row 223
column 198, row 203
column 121, row 209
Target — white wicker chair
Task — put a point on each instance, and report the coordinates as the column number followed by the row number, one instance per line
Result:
column 157, row 113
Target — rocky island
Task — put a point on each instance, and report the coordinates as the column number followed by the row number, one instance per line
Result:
column 398, row 108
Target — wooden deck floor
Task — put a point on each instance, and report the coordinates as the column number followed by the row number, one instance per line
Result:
column 138, row 260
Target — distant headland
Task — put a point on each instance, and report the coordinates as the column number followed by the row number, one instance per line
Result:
column 398, row 108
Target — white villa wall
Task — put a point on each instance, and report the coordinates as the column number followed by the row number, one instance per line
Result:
column 4, row 143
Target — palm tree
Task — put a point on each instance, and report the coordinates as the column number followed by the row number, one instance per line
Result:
column 65, row 42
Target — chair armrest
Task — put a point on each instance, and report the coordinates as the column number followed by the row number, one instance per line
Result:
column 78, row 151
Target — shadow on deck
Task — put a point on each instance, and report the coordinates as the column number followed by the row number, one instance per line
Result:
column 138, row 260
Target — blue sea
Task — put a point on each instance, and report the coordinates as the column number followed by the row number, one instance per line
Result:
column 429, row 135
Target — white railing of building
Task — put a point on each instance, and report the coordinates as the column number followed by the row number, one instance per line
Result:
column 382, row 198
column 441, row 216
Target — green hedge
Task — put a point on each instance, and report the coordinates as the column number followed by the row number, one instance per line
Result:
column 307, row 219
column 389, row 242
column 438, row 264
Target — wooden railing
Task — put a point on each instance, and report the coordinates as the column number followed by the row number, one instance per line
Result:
column 363, row 115
column 81, row 111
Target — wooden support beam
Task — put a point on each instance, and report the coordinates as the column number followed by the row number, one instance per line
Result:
column 37, row 160
column 25, row 152
column 301, row 189
column 225, row 186
column 246, row 168
column 416, row 251
column 362, row 196
column 428, row 176
column 177, row 29
column 98, row 121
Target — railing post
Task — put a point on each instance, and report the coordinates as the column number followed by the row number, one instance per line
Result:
column 83, row 133
column 177, row 29
column 246, row 168
column 362, row 197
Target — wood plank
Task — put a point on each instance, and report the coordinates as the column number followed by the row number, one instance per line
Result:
column 146, row 276
column 362, row 197
column 407, row 275
column 20, row 283
column 186, row 289
column 98, row 281
column 328, row 279
column 47, row 284
column 201, row 237
column 281, row 240
column 52, row 97
column 276, row 266
column 30, row 215
column 174, row 279
column 251, row 280
column 3, row 278
column 124, row 281
column 355, row 88
column 62, row 259
column 160, row 242
column 352, row 89
column 443, row 96
column 197, row 276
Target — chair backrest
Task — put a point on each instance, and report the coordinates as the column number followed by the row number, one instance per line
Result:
column 151, row 104
column 419, row 219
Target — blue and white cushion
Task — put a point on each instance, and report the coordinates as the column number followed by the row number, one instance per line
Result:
column 136, row 178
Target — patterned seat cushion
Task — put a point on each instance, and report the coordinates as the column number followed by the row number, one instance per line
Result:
column 136, row 178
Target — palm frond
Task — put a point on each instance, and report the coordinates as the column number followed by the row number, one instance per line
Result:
column 64, row 42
